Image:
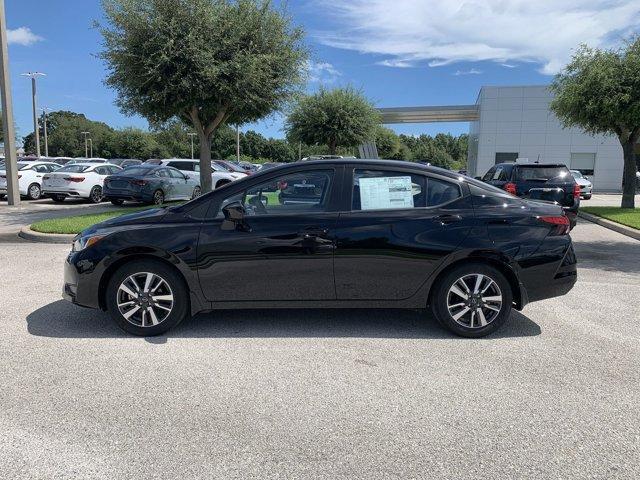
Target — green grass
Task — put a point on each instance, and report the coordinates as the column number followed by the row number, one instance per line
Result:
column 78, row 223
column 625, row 216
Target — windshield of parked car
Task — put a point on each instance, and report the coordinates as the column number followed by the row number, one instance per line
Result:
column 576, row 174
column 234, row 168
column 541, row 173
column 73, row 168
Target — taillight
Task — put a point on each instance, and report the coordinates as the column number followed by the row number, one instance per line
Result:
column 140, row 183
column 562, row 222
column 510, row 188
column 74, row 179
column 576, row 191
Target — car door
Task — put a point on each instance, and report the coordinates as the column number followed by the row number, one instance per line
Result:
column 166, row 183
column 282, row 249
column 182, row 186
column 400, row 226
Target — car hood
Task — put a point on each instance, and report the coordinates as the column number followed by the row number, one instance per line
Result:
column 130, row 220
column 583, row 182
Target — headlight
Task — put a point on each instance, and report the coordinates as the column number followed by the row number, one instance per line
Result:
column 80, row 242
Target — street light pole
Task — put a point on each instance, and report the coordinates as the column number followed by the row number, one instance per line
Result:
column 191, row 135
column 36, row 130
column 13, row 193
column 44, row 121
column 238, row 143
column 86, row 147
column 91, row 145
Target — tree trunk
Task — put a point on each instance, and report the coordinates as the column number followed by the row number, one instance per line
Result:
column 332, row 147
column 205, row 162
column 629, row 175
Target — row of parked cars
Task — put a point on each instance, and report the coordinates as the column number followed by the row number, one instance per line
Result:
column 117, row 180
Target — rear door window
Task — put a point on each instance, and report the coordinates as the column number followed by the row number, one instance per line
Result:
column 387, row 190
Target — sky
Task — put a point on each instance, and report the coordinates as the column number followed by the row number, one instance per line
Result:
column 398, row 52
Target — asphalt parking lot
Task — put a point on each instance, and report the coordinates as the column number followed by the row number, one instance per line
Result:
column 323, row 394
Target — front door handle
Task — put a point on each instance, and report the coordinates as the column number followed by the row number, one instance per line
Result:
column 447, row 219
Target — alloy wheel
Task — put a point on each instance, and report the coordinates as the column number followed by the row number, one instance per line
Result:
column 158, row 198
column 96, row 195
column 474, row 301
column 145, row 299
column 34, row 192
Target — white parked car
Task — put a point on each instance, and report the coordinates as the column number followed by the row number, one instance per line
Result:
column 30, row 174
column 78, row 180
column 586, row 187
column 219, row 176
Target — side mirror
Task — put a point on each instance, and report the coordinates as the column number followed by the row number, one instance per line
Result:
column 187, row 177
column 233, row 216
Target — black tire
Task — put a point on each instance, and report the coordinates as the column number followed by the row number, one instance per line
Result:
column 197, row 191
column 117, row 202
column 58, row 198
column 178, row 289
column 587, row 197
column 158, row 197
column 441, row 295
column 222, row 183
column 2, row 196
column 95, row 196
column 34, row 192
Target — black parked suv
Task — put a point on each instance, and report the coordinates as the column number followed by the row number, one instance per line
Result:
column 538, row 181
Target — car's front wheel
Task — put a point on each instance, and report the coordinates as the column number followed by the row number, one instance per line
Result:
column 197, row 191
column 587, row 197
column 472, row 300
column 147, row 298
column 158, row 197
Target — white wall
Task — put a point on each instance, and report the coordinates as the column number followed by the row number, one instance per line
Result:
column 517, row 119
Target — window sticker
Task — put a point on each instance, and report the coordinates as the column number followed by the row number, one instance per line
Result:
column 379, row 193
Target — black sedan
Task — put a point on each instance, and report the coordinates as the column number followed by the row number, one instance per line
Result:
column 377, row 234
column 148, row 183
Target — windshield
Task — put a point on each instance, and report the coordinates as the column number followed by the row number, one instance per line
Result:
column 576, row 174
column 218, row 168
column 542, row 173
column 24, row 166
column 234, row 168
column 73, row 168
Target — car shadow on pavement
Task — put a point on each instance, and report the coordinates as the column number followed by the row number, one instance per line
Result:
column 61, row 319
column 610, row 256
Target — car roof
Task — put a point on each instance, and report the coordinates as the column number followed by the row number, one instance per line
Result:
column 380, row 163
column 534, row 165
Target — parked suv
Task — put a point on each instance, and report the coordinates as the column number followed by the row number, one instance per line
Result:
column 538, row 181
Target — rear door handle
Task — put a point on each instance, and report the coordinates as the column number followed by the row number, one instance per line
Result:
column 447, row 219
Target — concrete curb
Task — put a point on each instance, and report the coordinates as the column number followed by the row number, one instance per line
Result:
column 27, row 234
column 616, row 227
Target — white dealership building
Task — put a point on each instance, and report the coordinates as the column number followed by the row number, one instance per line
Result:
column 509, row 123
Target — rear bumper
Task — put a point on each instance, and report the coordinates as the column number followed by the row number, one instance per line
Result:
column 66, row 193
column 550, row 275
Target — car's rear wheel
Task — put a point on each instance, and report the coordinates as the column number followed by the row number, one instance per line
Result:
column 58, row 198
column 197, row 191
column 587, row 197
column 95, row 196
column 117, row 201
column 34, row 192
column 472, row 300
column 158, row 197
column 147, row 298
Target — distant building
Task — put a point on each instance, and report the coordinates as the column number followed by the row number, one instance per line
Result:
column 509, row 123
column 515, row 122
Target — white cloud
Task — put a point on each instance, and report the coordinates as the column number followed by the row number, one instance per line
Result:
column 22, row 36
column 472, row 71
column 322, row 72
column 508, row 65
column 441, row 32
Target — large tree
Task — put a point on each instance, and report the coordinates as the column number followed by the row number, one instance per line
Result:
column 599, row 91
column 343, row 117
column 207, row 62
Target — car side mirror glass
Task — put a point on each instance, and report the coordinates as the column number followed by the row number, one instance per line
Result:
column 234, row 214
column 187, row 177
